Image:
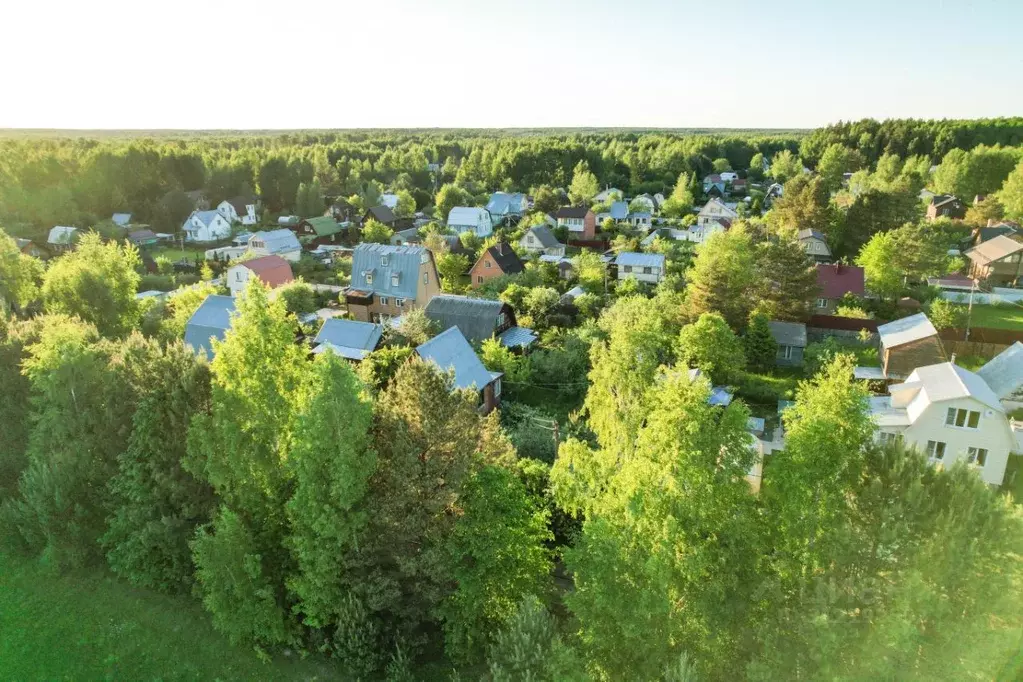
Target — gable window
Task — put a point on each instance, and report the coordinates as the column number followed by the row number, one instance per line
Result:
column 968, row 419
column 822, row 303
column 936, row 450
column 976, row 456
column 426, row 278
column 486, row 263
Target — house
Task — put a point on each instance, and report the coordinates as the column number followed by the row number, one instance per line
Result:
column 906, row 344
column 500, row 259
column 715, row 184
column 470, row 219
column 27, row 247
column 206, row 226
column 540, row 239
column 639, row 219
column 572, row 294
column 503, row 205
column 618, row 211
column 564, row 265
column 729, row 176
column 450, row 352
column 608, row 194
column 288, row 221
column 316, row 231
column 998, row 261
column 390, row 280
column 281, row 243
column 143, row 238
column 835, row 281
column 815, row 244
column 791, row 340
column 211, row 320
column 645, row 267
column 774, row 191
column 62, row 238
column 350, row 339
column 408, row 236
column 714, row 211
column 645, row 203
column 952, row 415
column 945, row 206
column 121, row 219
column 273, row 271
column 580, row 221
column 389, row 200
column 739, row 186
column 993, row 229
column 479, row 319
column 1004, row 375
column 239, row 210
column 381, row 214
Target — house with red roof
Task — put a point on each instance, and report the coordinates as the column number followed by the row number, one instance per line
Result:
column 835, row 281
column 273, row 271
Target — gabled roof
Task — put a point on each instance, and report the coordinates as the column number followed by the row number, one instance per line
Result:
column 1004, row 372
column 387, row 270
column 619, row 210
column 994, row 249
column 121, row 219
column 381, row 214
column 906, row 330
column 324, row 226
column 141, row 236
column 272, row 270
column 62, row 234
column 277, row 241
column 476, row 318
column 640, row 260
column 942, row 199
column 505, row 257
column 349, row 338
column 808, row 233
column 241, row 204
column 389, row 200
column 211, row 319
column 544, row 235
column 788, row 333
column 991, row 231
column 727, row 211
column 605, row 194
column 450, row 351
column 466, row 215
column 205, row 217
column 946, row 381
column 836, row 281
column 572, row 212
column 502, row 203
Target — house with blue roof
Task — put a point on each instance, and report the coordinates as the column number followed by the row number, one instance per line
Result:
column 503, row 205
column 211, row 320
column 121, row 219
column 350, row 339
column 281, row 242
column 618, row 211
column 206, row 226
column 645, row 267
column 451, row 352
column 471, row 219
column 389, row 280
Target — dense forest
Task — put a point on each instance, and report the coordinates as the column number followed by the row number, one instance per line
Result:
column 599, row 526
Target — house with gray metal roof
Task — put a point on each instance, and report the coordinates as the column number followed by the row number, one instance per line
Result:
column 350, row 339
column 540, row 239
column 281, row 242
column 471, row 219
column 791, row 340
column 121, row 219
column 645, row 267
column 388, row 281
column 479, row 319
column 1004, row 375
column 451, row 352
column 908, row 343
column 62, row 238
column 211, row 320
column 503, row 205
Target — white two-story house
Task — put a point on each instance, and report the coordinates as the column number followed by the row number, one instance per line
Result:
column 206, row 226
column 716, row 210
column 952, row 415
column 238, row 210
column 645, row 267
column 471, row 219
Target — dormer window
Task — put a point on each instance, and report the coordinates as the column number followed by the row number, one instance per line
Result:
column 395, row 278
column 383, row 261
column 369, row 278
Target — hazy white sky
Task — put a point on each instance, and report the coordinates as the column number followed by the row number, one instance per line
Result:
column 464, row 63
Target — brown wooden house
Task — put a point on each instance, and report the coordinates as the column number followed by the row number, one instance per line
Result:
column 499, row 259
column 390, row 280
column 998, row 261
column 907, row 344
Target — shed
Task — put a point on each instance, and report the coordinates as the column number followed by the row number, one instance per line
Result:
column 211, row 320
column 450, row 351
column 348, row 338
column 791, row 340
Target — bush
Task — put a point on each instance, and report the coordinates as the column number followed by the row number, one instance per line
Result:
column 157, row 282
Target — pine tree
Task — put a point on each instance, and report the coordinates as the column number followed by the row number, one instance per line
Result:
column 760, row 346
column 788, row 280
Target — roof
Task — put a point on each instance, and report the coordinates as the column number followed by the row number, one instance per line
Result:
column 941, row 199
column 994, row 249
column 62, row 234
column 883, row 414
column 572, row 212
column 906, row 330
column 121, row 219
column 288, row 220
column 807, row 234
column 517, row 337
column 211, row 319
column 836, row 281
column 140, row 236
column 992, row 231
column 502, row 203
column 466, row 215
column 450, row 351
column 544, row 235
column 505, row 257
column 946, row 381
column 476, row 318
column 641, row 260
column 277, row 241
column 206, row 217
column 573, row 293
column 348, row 338
column 381, row 214
column 619, row 210
column 639, row 214
column 389, row 200
column 605, row 193
column 1004, row 372
column 387, row 270
column 727, row 211
column 788, row 333
column 241, row 204
column 273, row 271
column 324, row 226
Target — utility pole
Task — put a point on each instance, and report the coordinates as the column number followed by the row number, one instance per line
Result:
column 969, row 310
column 556, row 439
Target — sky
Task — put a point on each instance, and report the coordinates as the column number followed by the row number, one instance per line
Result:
column 227, row 64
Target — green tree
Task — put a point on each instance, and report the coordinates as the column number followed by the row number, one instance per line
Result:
column 19, row 275
column 789, row 279
column 945, row 314
column 584, row 185
column 837, row 160
column 710, row 345
column 375, row 232
column 415, row 328
column 182, row 306
column 298, row 296
column 447, row 198
column 878, row 260
column 406, row 207
column 1011, row 194
column 680, row 203
column 590, row 270
column 97, row 283
column 721, row 165
column 452, row 267
column 302, row 201
column 981, row 170
column 805, row 205
column 758, row 343
column 785, row 165
column 722, row 276
column 545, row 199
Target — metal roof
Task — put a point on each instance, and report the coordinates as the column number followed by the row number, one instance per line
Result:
column 62, row 235
column 121, row 219
column 1004, row 372
column 788, row 333
column 450, row 351
column 544, row 235
column 906, row 330
column 387, row 270
column 517, row 337
column 324, row 226
column 619, row 210
column 348, row 338
column 277, row 241
column 476, row 318
column 205, row 217
column 642, row 260
column 211, row 320
column 503, row 203
column 994, row 249
column 466, row 216
column 272, row 270
column 946, row 381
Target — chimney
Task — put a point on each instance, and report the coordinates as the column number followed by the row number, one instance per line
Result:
column 953, row 359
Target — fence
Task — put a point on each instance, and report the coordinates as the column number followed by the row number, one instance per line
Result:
column 1003, row 337
column 997, row 295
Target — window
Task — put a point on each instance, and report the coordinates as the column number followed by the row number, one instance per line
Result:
column 822, row 303
column 785, row 352
column 400, row 302
column 936, row 450
column 383, row 300
column 383, row 260
column 479, row 279
column 646, row 271
column 369, row 278
column 889, row 438
column 237, row 275
column 627, row 268
column 426, row 278
column 395, row 278
column 497, row 387
column 486, row 263
column 969, row 419
column 976, row 456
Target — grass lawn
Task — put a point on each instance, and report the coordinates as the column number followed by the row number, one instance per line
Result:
column 998, row 316
column 90, row 626
column 176, row 254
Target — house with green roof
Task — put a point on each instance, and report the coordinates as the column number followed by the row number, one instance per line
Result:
column 316, row 231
